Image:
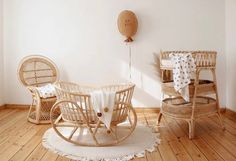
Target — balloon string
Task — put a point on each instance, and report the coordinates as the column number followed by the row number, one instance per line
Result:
column 130, row 61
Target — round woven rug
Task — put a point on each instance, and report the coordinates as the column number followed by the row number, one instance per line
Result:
column 141, row 140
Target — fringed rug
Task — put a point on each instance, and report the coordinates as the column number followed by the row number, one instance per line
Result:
column 142, row 139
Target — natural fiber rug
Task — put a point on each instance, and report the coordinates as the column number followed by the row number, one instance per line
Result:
column 141, row 140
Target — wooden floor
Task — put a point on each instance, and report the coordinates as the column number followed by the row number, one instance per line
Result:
column 20, row 140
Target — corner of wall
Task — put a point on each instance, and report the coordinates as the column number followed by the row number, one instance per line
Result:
column 230, row 24
column 1, row 56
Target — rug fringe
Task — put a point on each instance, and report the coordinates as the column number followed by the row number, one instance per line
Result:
column 140, row 154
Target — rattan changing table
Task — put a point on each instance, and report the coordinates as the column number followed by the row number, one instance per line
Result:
column 202, row 102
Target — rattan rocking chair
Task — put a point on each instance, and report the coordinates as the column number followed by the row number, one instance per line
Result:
column 36, row 71
column 82, row 123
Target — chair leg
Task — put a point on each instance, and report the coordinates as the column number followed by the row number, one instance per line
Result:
column 217, row 100
column 220, row 120
column 159, row 118
column 191, row 124
column 37, row 112
column 30, row 109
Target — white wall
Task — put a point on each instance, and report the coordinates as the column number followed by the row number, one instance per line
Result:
column 1, row 53
column 82, row 38
column 231, row 53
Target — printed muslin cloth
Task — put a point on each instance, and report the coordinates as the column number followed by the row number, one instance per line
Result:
column 46, row 91
column 103, row 102
column 184, row 67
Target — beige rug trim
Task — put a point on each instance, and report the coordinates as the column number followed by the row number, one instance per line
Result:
column 141, row 140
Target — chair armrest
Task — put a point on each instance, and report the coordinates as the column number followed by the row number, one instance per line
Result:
column 34, row 91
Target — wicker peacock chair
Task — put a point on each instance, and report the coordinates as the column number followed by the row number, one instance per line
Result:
column 34, row 72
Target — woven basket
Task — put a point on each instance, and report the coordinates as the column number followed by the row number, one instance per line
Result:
column 178, row 108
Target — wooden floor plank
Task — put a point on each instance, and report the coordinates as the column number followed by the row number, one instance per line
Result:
column 174, row 141
column 22, row 140
column 60, row 158
column 142, row 158
column 15, row 143
column 5, row 113
column 180, row 152
column 206, row 150
column 214, row 144
column 230, row 125
column 19, row 130
column 141, row 118
column 166, row 135
column 37, row 154
column 18, row 134
column 193, row 152
column 154, row 156
column 11, row 120
column 218, row 135
column 227, row 133
column 229, row 121
column 166, row 152
column 220, row 151
column 164, row 148
column 13, row 129
column 230, row 115
column 209, row 153
column 49, row 156
column 27, row 149
column 205, row 141
column 24, row 151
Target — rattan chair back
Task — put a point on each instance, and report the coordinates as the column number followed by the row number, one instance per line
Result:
column 37, row 70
